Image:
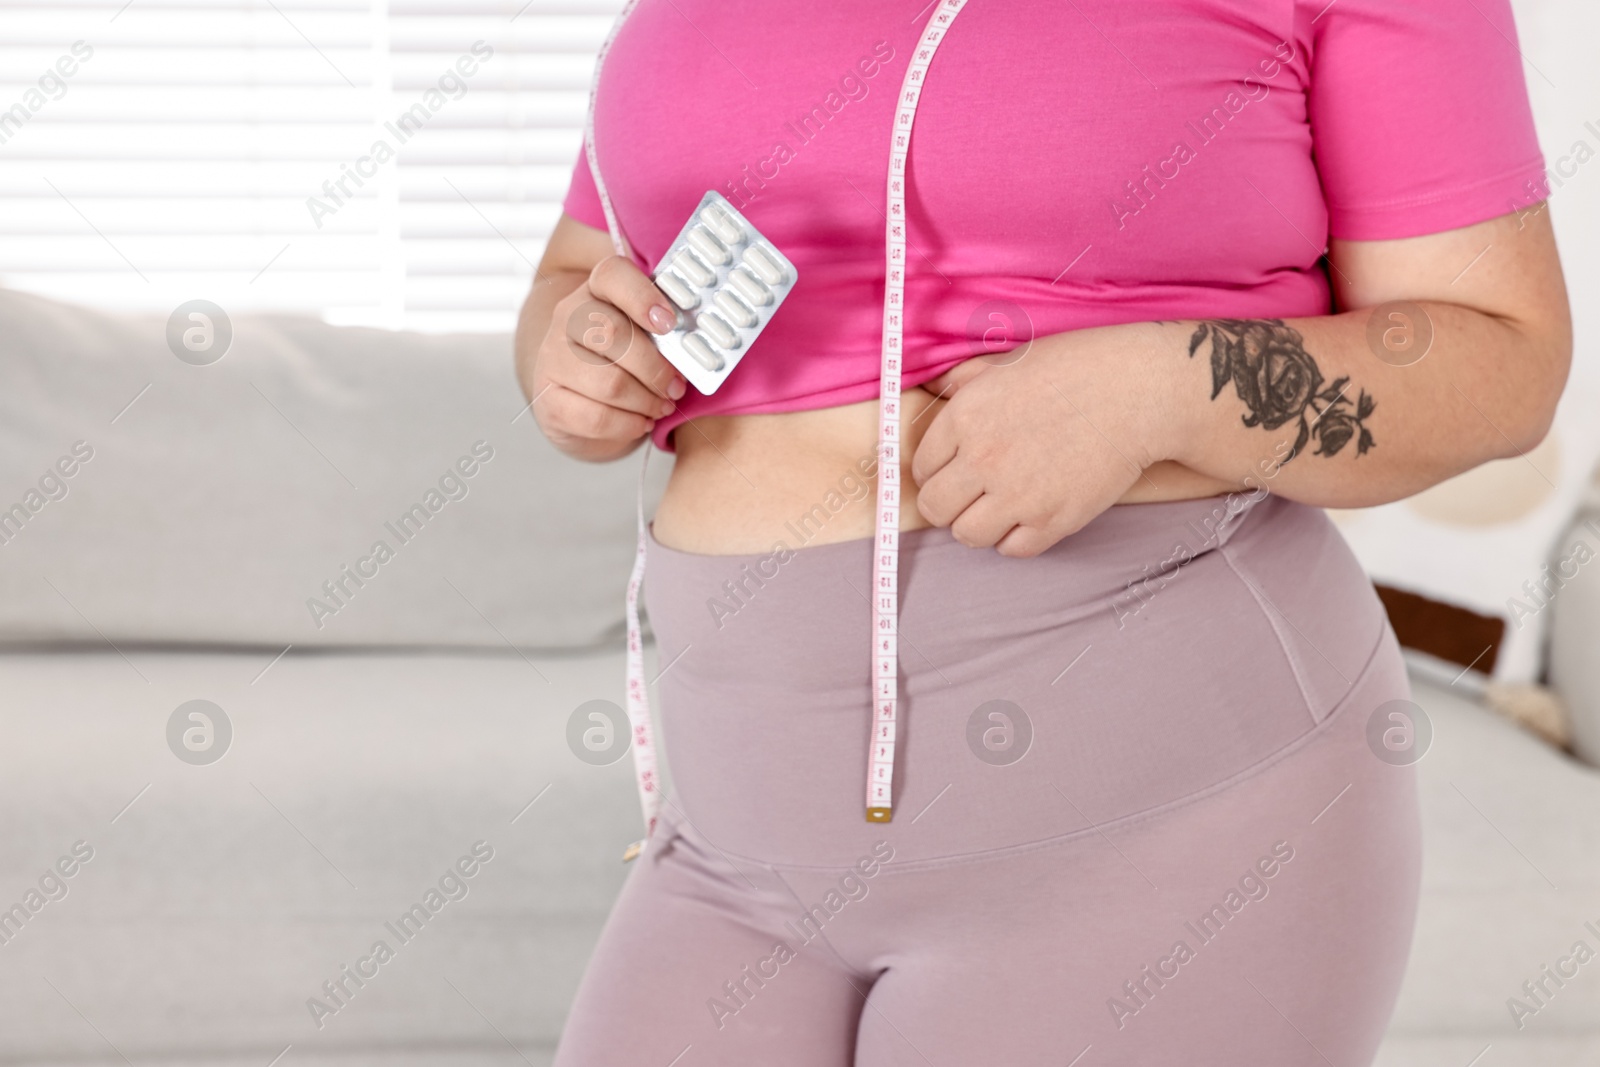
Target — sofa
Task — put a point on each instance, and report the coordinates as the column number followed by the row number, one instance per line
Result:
column 239, row 749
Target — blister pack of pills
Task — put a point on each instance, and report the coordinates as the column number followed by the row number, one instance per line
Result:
column 727, row 281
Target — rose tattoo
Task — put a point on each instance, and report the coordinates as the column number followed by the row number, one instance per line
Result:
column 1278, row 381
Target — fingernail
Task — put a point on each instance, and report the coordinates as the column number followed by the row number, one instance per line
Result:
column 677, row 388
column 668, row 407
column 662, row 319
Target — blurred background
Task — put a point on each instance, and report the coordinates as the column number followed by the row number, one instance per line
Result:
column 179, row 158
column 259, row 264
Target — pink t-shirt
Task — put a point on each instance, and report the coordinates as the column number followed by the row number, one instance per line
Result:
column 1074, row 164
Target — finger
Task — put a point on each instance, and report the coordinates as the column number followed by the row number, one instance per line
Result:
column 1037, row 534
column 937, row 447
column 949, row 383
column 619, row 282
column 943, row 385
column 573, row 415
column 1025, row 542
column 615, row 387
column 645, row 362
column 948, row 493
column 601, row 335
column 984, row 522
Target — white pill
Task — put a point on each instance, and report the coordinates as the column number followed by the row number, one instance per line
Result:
column 696, row 346
column 722, row 224
column 721, row 334
column 750, row 287
column 734, row 310
column 677, row 289
column 688, row 264
column 711, row 250
column 766, row 267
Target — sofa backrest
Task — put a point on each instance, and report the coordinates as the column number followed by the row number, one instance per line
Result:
column 315, row 486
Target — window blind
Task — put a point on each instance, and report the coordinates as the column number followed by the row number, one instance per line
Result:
column 396, row 163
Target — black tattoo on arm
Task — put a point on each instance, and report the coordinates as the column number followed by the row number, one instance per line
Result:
column 1279, row 382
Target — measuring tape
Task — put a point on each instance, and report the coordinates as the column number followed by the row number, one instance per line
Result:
column 886, row 560
column 642, row 733
column 886, row 538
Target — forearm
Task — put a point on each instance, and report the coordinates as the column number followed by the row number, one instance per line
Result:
column 1323, row 411
column 1032, row 448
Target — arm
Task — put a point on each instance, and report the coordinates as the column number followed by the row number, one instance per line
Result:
column 1306, row 407
column 595, row 382
column 1493, row 299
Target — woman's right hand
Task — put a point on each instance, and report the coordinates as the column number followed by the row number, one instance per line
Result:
column 596, row 381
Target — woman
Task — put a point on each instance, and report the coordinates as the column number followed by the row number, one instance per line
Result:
column 1181, row 274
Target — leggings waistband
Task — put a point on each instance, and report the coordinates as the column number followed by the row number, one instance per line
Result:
column 1162, row 649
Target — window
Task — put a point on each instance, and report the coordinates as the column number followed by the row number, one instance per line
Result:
column 395, row 163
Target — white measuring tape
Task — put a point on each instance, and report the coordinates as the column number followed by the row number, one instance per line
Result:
column 886, row 540
column 642, row 733
column 886, row 560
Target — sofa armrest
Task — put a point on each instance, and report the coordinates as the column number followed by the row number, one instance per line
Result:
column 1574, row 654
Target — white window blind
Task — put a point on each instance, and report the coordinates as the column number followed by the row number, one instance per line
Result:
column 159, row 151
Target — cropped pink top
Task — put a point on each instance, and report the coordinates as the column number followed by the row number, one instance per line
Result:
column 1074, row 164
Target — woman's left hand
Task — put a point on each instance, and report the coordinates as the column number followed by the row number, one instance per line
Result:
column 1026, row 452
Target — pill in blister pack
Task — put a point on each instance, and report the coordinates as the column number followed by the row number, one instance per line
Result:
column 727, row 281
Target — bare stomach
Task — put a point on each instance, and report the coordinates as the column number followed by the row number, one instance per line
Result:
column 742, row 483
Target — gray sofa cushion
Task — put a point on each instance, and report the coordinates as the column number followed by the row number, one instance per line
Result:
column 147, row 499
